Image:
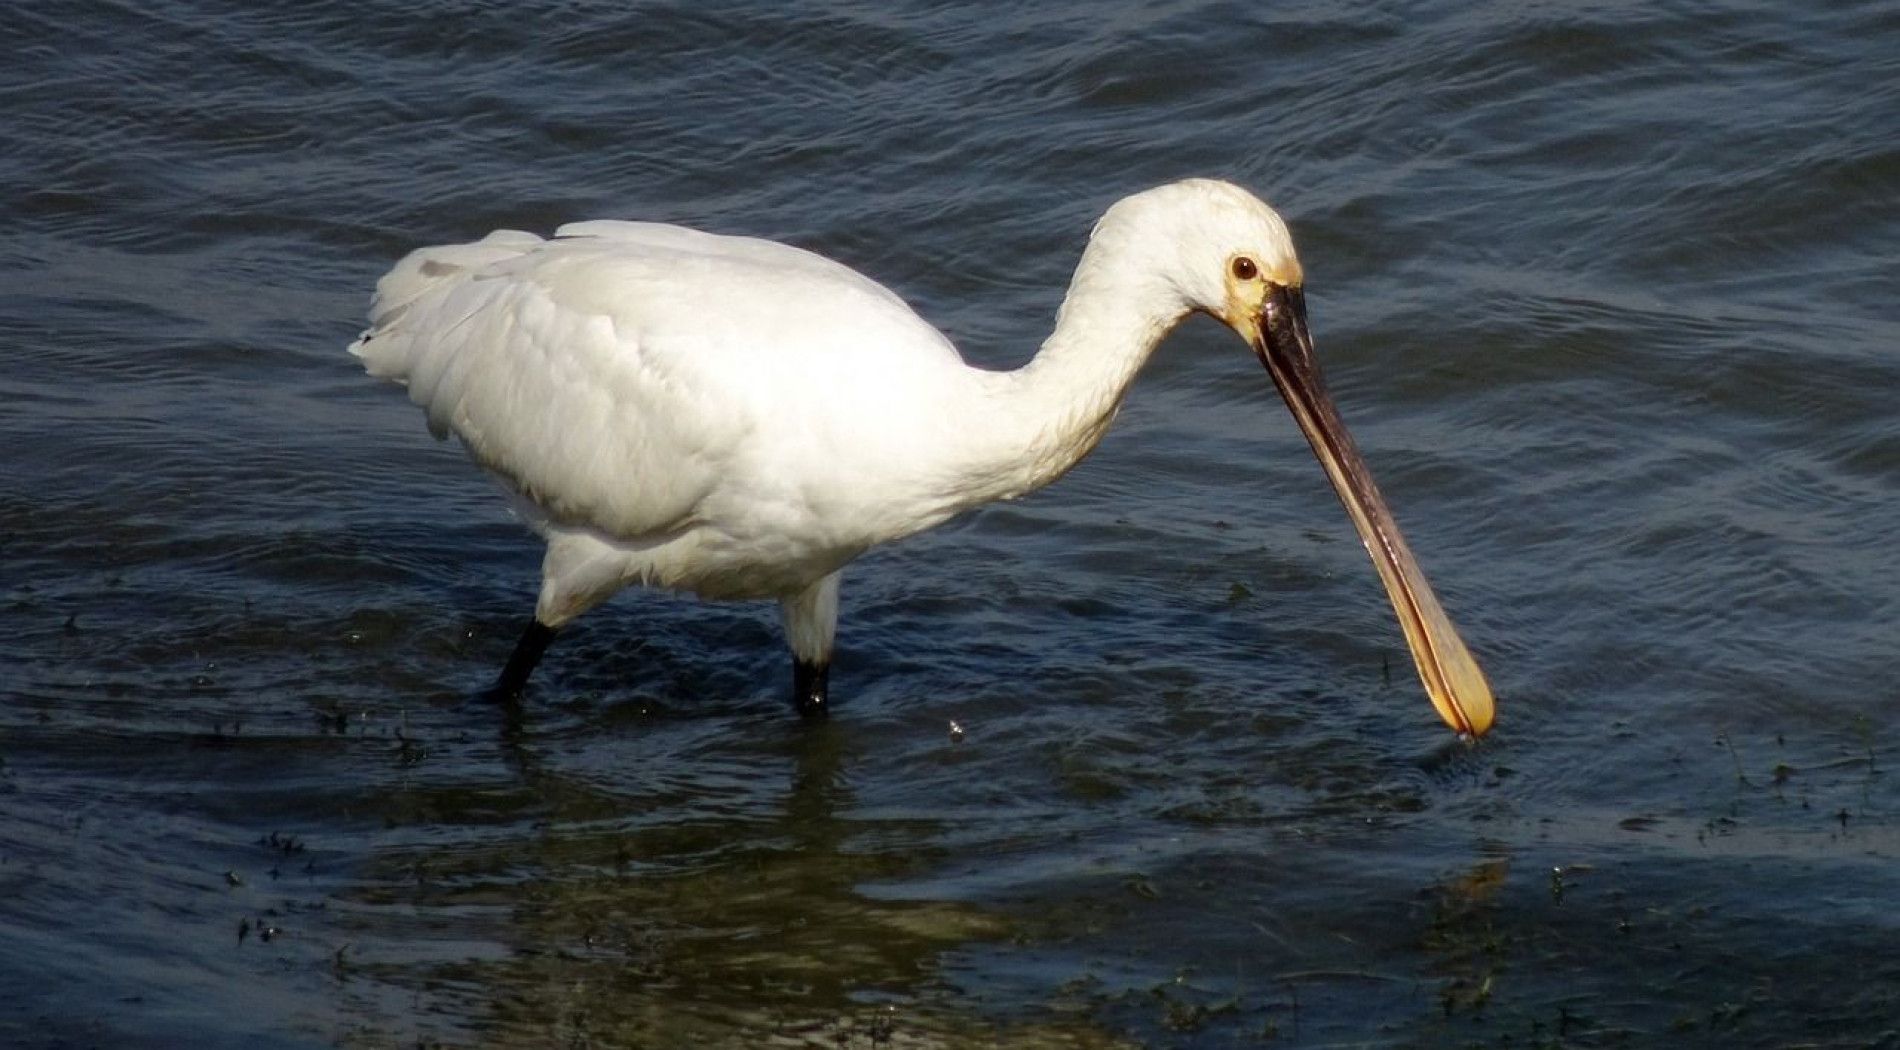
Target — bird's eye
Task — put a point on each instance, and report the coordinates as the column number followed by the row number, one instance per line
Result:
column 1244, row 268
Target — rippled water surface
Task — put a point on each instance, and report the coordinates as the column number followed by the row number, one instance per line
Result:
column 1606, row 291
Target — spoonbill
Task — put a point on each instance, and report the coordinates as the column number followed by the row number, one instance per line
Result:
column 739, row 418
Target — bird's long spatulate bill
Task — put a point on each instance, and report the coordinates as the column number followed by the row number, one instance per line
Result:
column 1452, row 679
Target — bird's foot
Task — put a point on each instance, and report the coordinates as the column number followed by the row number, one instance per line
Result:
column 809, row 686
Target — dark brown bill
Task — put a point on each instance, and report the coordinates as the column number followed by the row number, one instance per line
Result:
column 1452, row 679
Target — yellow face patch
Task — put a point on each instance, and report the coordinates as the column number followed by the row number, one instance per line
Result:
column 1248, row 281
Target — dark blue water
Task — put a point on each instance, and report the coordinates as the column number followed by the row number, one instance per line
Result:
column 1605, row 291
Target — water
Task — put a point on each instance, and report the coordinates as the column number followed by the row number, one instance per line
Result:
column 1605, row 291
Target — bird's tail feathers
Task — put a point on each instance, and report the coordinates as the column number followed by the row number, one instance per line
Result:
column 383, row 347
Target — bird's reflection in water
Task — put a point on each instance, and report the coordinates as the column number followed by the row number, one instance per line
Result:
column 820, row 786
column 681, row 909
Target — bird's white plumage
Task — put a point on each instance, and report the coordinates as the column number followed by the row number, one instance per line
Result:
column 680, row 394
column 739, row 418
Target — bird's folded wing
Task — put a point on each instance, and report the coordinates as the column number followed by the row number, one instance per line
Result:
column 563, row 402
column 618, row 374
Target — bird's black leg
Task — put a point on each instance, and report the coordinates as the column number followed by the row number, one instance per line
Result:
column 809, row 682
column 534, row 641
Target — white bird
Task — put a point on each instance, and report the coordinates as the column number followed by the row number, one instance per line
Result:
column 739, row 418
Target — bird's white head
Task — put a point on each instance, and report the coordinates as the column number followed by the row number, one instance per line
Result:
column 1220, row 248
column 1221, row 251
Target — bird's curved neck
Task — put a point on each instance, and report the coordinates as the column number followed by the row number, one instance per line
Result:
column 1042, row 418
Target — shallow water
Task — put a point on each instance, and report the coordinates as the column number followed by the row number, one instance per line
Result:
column 1599, row 288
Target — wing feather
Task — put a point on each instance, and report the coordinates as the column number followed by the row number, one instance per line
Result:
column 617, row 375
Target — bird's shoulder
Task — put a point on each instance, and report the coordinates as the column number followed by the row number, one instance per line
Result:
column 673, row 288
column 711, row 254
